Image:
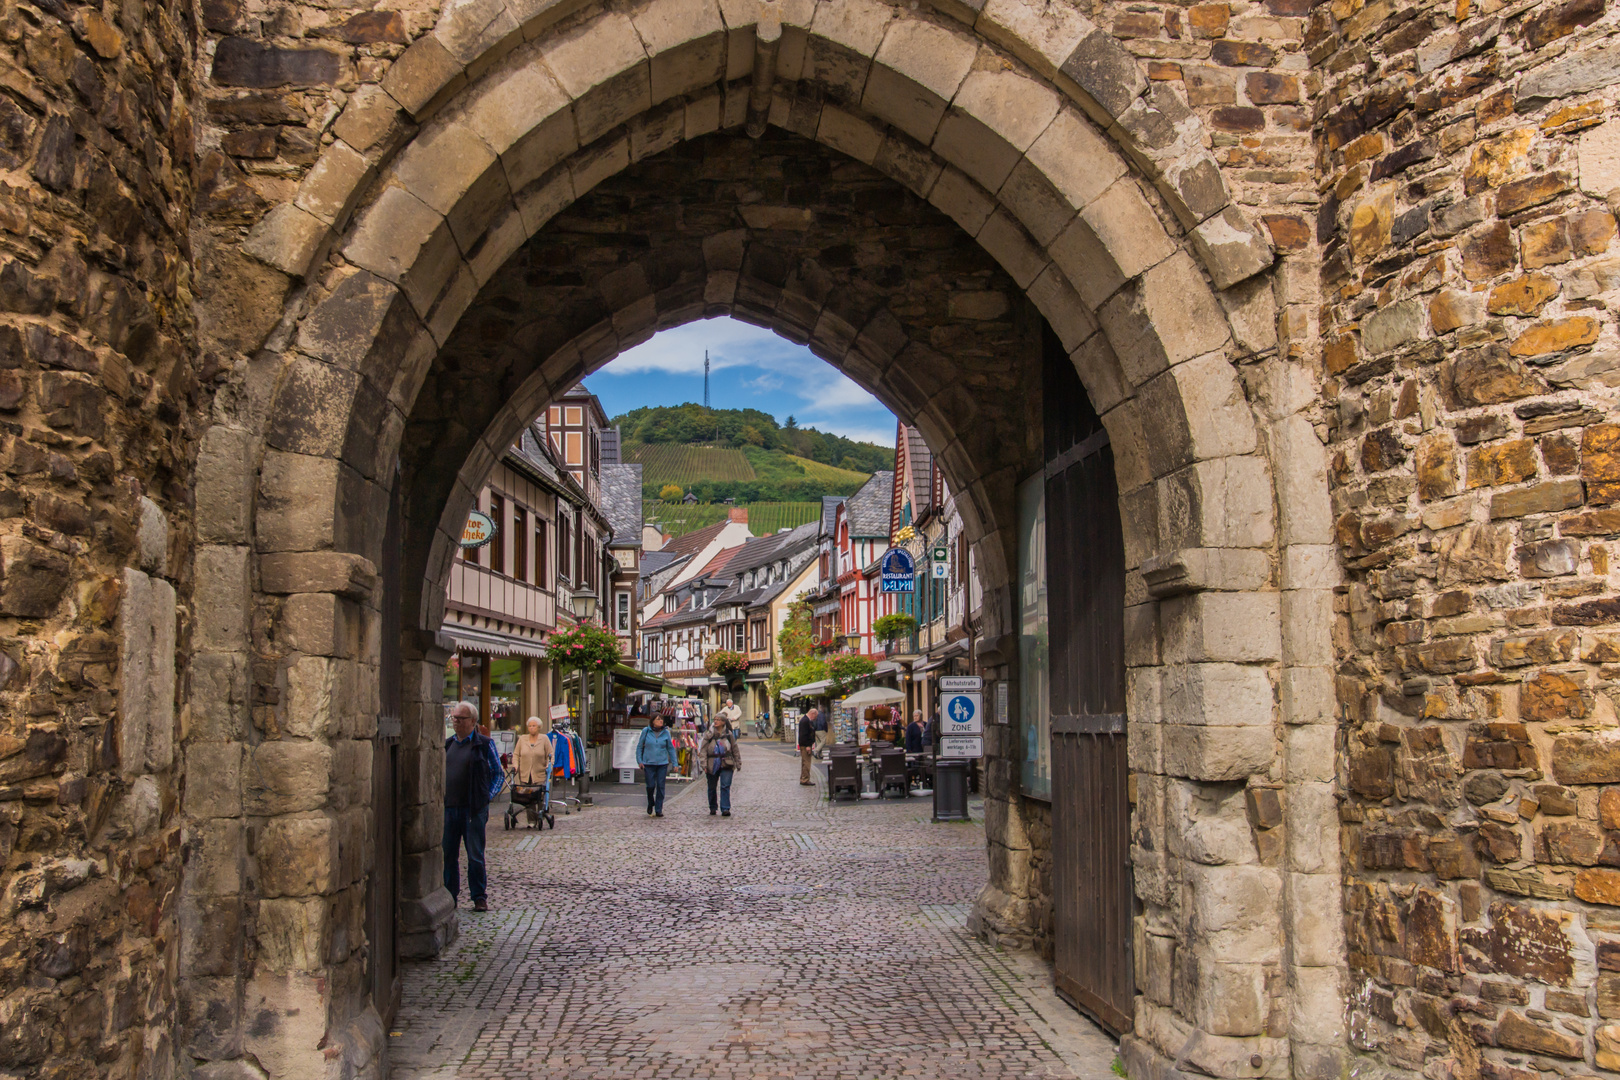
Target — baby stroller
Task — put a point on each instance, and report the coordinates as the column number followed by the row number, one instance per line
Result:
column 536, row 802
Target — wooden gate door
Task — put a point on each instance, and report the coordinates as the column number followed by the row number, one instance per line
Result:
column 382, row 901
column 1085, row 557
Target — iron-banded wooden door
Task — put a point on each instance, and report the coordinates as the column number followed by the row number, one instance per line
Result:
column 1094, row 898
column 382, row 908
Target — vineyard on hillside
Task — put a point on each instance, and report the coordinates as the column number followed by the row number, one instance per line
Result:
column 763, row 518
column 815, row 470
column 676, row 463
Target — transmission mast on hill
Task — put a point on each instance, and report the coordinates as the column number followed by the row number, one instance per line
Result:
column 705, row 378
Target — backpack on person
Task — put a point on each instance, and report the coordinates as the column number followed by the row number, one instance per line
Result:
column 719, row 750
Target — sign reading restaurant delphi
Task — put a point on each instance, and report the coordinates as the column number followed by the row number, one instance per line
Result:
column 479, row 530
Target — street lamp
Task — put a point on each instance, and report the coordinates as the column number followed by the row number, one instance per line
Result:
column 584, row 610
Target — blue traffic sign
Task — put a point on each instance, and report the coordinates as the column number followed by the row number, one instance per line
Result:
column 961, row 709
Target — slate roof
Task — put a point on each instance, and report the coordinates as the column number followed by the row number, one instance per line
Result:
column 829, row 511
column 621, row 502
column 660, row 617
column 920, row 460
column 693, row 542
column 760, row 552
column 868, row 509
column 654, row 561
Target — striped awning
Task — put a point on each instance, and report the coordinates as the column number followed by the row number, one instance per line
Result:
column 485, row 643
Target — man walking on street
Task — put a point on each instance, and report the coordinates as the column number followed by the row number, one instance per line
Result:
column 807, row 743
column 472, row 776
column 732, row 715
column 820, row 726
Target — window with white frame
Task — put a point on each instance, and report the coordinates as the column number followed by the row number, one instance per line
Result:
column 622, row 614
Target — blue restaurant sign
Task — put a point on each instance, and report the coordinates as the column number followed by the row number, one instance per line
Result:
column 897, row 571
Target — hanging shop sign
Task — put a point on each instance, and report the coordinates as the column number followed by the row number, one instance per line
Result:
column 941, row 570
column 941, row 554
column 897, row 571
column 479, row 530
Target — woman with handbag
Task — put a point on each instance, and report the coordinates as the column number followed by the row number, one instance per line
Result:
column 720, row 757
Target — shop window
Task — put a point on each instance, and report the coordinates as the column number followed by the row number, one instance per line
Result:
column 497, row 546
column 540, row 567
column 565, row 549
column 505, row 693
column 1032, row 640
column 464, row 681
column 520, row 544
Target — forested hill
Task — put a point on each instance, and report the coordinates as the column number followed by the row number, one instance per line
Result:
column 693, row 424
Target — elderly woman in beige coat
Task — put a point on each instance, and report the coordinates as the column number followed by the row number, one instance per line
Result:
column 531, row 767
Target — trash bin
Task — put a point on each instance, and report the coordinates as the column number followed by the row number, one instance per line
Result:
column 950, row 790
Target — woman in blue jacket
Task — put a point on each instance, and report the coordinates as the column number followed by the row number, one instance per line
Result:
column 655, row 753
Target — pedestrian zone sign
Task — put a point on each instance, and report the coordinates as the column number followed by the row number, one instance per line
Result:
column 961, row 746
column 961, row 714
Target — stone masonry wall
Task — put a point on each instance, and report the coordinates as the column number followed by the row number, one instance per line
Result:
column 1469, row 155
column 100, row 400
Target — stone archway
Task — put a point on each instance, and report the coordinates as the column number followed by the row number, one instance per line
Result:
column 1122, row 240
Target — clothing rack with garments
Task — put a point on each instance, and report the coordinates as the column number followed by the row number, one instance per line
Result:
column 568, row 763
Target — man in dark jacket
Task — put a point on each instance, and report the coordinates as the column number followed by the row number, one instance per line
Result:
column 472, row 776
column 915, row 734
column 807, row 743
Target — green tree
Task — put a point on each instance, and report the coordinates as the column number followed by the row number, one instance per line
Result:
column 848, row 669
column 796, row 662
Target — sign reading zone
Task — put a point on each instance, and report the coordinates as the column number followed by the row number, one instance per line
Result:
column 961, row 714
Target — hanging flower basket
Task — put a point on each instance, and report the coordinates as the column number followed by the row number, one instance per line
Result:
column 588, row 646
column 730, row 666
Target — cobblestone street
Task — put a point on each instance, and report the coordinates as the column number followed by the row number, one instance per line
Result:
column 791, row 940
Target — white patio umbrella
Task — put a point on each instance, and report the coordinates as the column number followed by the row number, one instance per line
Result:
column 873, row 695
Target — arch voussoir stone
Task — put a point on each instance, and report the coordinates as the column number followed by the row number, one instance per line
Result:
column 1086, row 190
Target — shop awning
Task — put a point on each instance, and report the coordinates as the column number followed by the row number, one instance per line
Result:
column 937, row 659
column 624, row 673
column 887, row 667
column 812, row 689
column 488, row 644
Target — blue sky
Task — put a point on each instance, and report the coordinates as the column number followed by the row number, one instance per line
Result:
column 751, row 368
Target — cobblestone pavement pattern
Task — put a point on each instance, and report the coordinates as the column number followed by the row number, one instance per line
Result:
column 790, row 940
